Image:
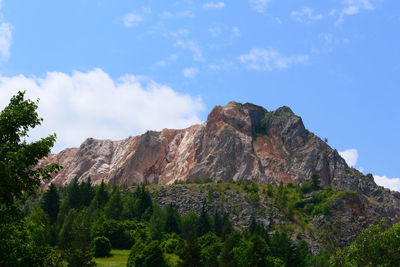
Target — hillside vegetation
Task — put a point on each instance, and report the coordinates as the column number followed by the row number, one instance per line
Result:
column 158, row 234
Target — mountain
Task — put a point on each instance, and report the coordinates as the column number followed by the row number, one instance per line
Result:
column 237, row 142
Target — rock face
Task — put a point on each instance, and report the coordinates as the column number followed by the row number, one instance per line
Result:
column 237, row 142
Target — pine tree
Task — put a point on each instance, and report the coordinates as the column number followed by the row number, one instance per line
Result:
column 74, row 196
column 172, row 220
column 217, row 224
column 113, row 208
column 204, row 222
column 75, row 242
column 315, row 182
column 51, row 202
column 102, row 196
column 226, row 257
column 227, row 227
column 87, row 192
column 143, row 203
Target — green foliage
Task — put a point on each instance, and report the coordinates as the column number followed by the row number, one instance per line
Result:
column 113, row 208
column 19, row 180
column 172, row 244
column 191, row 253
column 50, row 202
column 122, row 234
column 87, row 191
column 261, row 127
column 38, row 227
column 143, row 203
column 190, row 225
column 226, row 257
column 146, row 255
column 118, row 258
column 102, row 246
column 207, row 180
column 160, row 235
column 210, row 197
column 80, row 194
column 172, row 220
column 101, row 197
column 210, row 246
column 373, row 247
column 253, row 251
column 75, row 240
column 74, row 197
column 204, row 223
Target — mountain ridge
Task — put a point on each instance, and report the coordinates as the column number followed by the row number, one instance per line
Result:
column 237, row 142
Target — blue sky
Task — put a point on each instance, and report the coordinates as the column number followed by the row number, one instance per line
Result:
column 111, row 69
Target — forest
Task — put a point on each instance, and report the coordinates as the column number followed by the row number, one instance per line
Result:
column 70, row 225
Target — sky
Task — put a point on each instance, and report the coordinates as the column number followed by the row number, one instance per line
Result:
column 112, row 69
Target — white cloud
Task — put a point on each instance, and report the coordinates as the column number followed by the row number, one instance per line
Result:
column 353, row 7
column 236, row 31
column 178, row 33
column 391, row 183
column 132, row 20
column 92, row 104
column 214, row 5
column 177, row 15
column 5, row 40
column 269, row 59
column 193, row 47
column 215, row 31
column 350, row 156
column 259, row 5
column 190, row 72
column 161, row 63
column 306, row 14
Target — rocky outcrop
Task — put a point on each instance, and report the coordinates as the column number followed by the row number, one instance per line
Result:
column 237, row 142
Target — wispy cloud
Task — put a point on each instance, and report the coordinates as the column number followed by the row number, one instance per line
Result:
column 236, row 32
column 391, row 183
column 350, row 156
column 259, row 5
column 306, row 14
column 178, row 33
column 214, row 5
column 353, row 7
column 5, row 40
column 177, row 15
column 215, row 30
column 193, row 47
column 269, row 59
column 132, row 20
column 134, row 104
column 190, row 72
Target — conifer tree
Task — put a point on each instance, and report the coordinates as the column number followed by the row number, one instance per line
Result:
column 102, row 195
column 143, row 203
column 172, row 220
column 51, row 202
column 217, row 224
column 74, row 197
column 204, row 222
column 87, row 192
column 113, row 208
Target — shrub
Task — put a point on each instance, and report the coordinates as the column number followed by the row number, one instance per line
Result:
column 146, row 255
column 102, row 246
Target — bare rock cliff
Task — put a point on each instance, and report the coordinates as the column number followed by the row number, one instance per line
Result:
column 237, row 142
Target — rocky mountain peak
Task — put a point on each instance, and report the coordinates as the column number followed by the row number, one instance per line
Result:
column 237, row 142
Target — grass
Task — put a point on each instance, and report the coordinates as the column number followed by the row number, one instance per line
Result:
column 118, row 258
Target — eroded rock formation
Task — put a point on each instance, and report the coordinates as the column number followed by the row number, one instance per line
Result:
column 237, row 142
